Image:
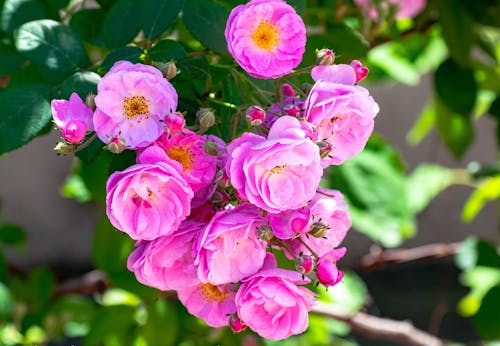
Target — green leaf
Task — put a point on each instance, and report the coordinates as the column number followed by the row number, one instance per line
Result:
column 120, row 24
column 487, row 320
column 74, row 188
column 51, row 45
column 12, row 235
column 162, row 327
column 488, row 190
column 83, row 83
column 129, row 53
column 457, row 30
column 158, row 15
column 299, row 5
column 95, row 174
column 113, row 325
column 87, row 23
column 387, row 58
column 39, row 287
column 476, row 252
column 75, row 314
column 24, row 112
column 17, row 12
column 6, row 303
column 118, row 296
column 206, row 20
column 480, row 280
column 424, row 124
column 425, row 183
column 167, row 50
column 456, row 87
column 10, row 60
column 348, row 295
column 455, row 130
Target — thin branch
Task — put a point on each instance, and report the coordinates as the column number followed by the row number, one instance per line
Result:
column 378, row 258
column 402, row 332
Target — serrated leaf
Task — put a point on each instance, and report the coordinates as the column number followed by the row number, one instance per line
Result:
column 488, row 190
column 120, row 24
column 17, row 12
column 456, row 87
column 425, row 183
column 24, row 112
column 206, row 20
column 83, row 83
column 158, row 15
column 167, row 50
column 129, row 53
column 51, row 45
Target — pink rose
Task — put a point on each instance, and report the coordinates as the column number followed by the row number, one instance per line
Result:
column 166, row 262
column 272, row 304
column 149, row 199
column 229, row 248
column 343, row 116
column 326, row 269
column 266, row 37
column 131, row 103
column 73, row 117
column 405, row 8
column 288, row 224
column 213, row 304
column 279, row 173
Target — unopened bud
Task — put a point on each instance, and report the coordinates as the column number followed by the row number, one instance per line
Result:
column 90, row 101
column 325, row 57
column 255, row 115
column 360, row 70
column 211, row 147
column 319, row 229
column 74, row 131
column 265, row 233
column 64, row 148
column 206, row 119
column 292, row 110
column 170, row 70
column 304, row 264
column 287, row 91
column 236, row 324
column 220, row 198
column 324, row 148
column 116, row 145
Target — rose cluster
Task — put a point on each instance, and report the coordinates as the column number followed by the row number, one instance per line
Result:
column 209, row 216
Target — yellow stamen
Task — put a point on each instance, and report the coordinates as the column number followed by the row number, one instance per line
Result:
column 266, row 36
column 181, row 155
column 135, row 106
column 277, row 169
column 213, row 293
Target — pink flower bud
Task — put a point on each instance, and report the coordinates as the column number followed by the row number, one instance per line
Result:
column 206, row 119
column 327, row 271
column 292, row 110
column 174, row 122
column 325, row 57
column 74, row 131
column 236, row 324
column 265, row 233
column 116, row 145
column 255, row 115
column 287, row 91
column 304, row 264
column 360, row 70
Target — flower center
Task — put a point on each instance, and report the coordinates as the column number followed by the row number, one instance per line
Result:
column 135, row 106
column 277, row 169
column 266, row 36
column 213, row 293
column 181, row 155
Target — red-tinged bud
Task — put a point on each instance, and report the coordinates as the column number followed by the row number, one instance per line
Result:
column 304, row 264
column 325, row 57
column 211, row 148
column 287, row 91
column 265, row 233
column 319, row 229
column 236, row 324
column 255, row 115
column 360, row 70
column 174, row 122
column 326, row 270
column 64, row 148
column 116, row 145
column 292, row 110
column 74, row 131
column 90, row 101
column 170, row 70
column 324, row 148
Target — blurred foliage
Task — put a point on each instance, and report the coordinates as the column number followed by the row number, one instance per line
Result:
column 50, row 48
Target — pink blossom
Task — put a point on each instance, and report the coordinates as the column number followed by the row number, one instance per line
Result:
column 279, row 173
column 187, row 148
column 149, row 199
column 340, row 74
column 343, row 116
column 213, row 304
column 272, row 304
column 289, row 223
column 327, row 271
column 174, row 122
column 255, row 115
column 405, row 8
column 266, row 37
column 131, row 103
column 73, row 117
column 360, row 69
column 229, row 249
column 166, row 262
